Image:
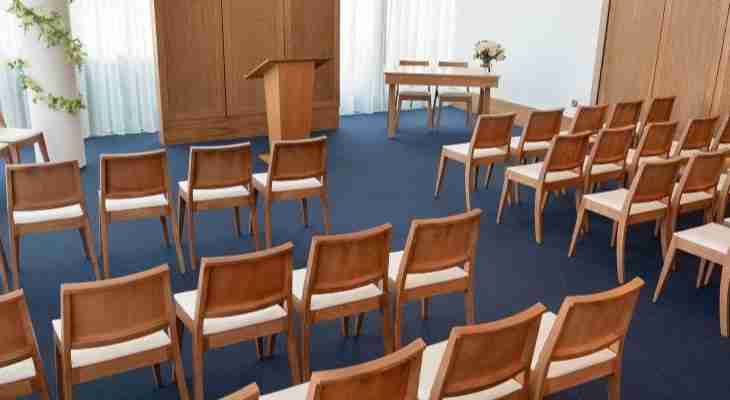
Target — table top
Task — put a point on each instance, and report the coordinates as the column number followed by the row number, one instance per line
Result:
column 441, row 75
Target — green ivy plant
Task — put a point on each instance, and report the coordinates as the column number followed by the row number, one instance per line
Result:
column 54, row 32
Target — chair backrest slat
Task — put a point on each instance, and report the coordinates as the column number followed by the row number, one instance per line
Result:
column 220, row 166
column 493, row 131
column 394, row 376
column 457, row 64
column 17, row 339
column 298, row 159
column 625, row 113
column 660, row 110
column 43, row 186
column 543, row 125
column 133, row 174
column 589, row 118
column 567, row 152
column 656, row 139
column 654, row 181
column 414, row 63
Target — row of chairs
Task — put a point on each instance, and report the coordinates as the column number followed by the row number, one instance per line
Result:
column 49, row 197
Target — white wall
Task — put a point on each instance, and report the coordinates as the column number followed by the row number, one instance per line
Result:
column 551, row 47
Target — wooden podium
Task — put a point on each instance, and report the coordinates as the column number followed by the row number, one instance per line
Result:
column 289, row 87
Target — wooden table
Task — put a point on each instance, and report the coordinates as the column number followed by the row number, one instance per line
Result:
column 438, row 76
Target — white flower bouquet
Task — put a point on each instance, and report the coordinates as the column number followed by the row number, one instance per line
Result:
column 487, row 51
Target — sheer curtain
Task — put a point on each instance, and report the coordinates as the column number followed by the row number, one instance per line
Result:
column 13, row 103
column 378, row 33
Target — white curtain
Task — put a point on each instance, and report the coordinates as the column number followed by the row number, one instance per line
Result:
column 378, row 33
column 13, row 103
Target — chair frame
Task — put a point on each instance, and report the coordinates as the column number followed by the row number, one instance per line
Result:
column 46, row 176
column 645, row 149
column 422, row 97
column 466, row 97
column 607, row 151
column 250, row 392
column 588, row 119
column 466, row 261
column 29, row 349
column 216, row 177
column 722, row 137
column 543, row 134
column 625, row 113
column 659, row 109
column 15, row 146
column 698, row 135
column 164, row 213
column 67, row 376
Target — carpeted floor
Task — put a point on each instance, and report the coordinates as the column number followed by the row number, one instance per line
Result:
column 674, row 349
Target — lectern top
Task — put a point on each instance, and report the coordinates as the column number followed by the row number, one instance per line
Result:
column 262, row 68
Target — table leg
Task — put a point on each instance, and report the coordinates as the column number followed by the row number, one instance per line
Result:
column 392, row 114
column 487, row 100
column 484, row 101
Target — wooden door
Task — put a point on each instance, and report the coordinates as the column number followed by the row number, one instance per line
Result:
column 253, row 31
column 190, row 60
column 689, row 54
column 721, row 98
column 630, row 52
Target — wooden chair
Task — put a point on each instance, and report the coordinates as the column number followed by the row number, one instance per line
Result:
column 588, row 119
column 15, row 139
column 298, row 170
column 250, row 392
column 239, row 298
column 584, row 342
column 489, row 145
column 21, row 368
column 697, row 137
column 46, row 198
column 534, row 142
column 220, row 177
column 625, row 113
column 660, row 110
column 486, row 361
column 135, row 186
column 346, row 275
column 721, row 141
column 393, row 376
column 655, row 145
column 562, row 169
column 607, row 159
column 114, row 326
column 453, row 96
column 647, row 200
column 414, row 93
column 439, row 258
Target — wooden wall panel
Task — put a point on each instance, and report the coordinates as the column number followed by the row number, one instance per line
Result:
column 630, row 52
column 721, row 98
column 689, row 54
column 247, row 44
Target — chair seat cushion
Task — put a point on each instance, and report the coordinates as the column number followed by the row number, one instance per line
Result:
column 565, row 367
column 614, row 199
column 721, row 182
column 136, row 203
column 188, row 301
column 723, row 146
column 430, row 364
column 598, row 169
column 322, row 301
column 529, row 146
column 631, row 157
column 693, row 197
column 297, row 392
column 712, row 236
column 462, row 149
column 51, row 214
column 215, row 194
column 685, row 153
column 13, row 135
column 532, row 171
column 285, row 186
column 94, row 355
column 17, row 372
column 455, row 96
column 414, row 94
column 415, row 280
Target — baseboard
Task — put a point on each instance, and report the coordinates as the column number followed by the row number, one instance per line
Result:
column 499, row 106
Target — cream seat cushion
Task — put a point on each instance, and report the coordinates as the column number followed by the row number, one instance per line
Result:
column 712, row 236
column 565, row 367
column 214, row 194
column 285, row 186
column 529, row 146
column 414, row 94
column 448, row 95
column 693, row 197
column 532, row 171
column 136, row 203
column 188, row 302
column 13, row 135
column 463, row 150
column 723, row 146
column 430, row 364
column 94, row 355
column 17, row 372
column 603, row 168
column 614, row 199
column 322, row 301
column 631, row 157
column 721, row 182
column 414, row 280
column 51, row 214
column 685, row 153
column 298, row 392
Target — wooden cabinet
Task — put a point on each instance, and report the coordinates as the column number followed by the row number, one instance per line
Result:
column 206, row 47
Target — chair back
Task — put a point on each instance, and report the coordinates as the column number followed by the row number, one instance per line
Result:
column 702, row 173
column 566, row 152
column 612, row 145
column 213, row 167
column 479, row 357
column 660, row 110
column 414, row 63
column 116, row 310
column 43, row 186
column 493, row 131
column 590, row 323
column 698, row 135
column 3, row 124
column 17, row 337
column 654, row 181
column 723, row 134
column 589, row 118
column 542, row 125
column 132, row 175
column 393, row 377
column 298, row 159
column 234, row 285
column 625, row 113
column 343, row 262
column 657, row 139
column 440, row 243
column 456, row 64
column 250, row 392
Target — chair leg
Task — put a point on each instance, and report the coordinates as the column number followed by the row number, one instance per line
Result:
column 470, row 305
column 708, row 274
column 488, row 175
column 237, row 220
column 157, row 376
column 701, row 273
column 397, row 326
column 506, row 190
column 576, row 231
column 88, row 240
column 387, row 326
column 267, row 222
column 614, row 385
column 104, row 239
column 177, row 242
column 620, row 252
column 358, row 323
column 271, row 346
column 305, row 212
column 345, row 326
column 424, row 308
column 260, row 351
column 468, row 114
column 614, row 232
column 44, row 149
column 179, row 372
column 538, row 215
column 4, row 270
column 657, row 227
column 324, row 200
column 84, row 244
column 292, row 350
column 254, row 224
column 440, row 175
column 438, row 111
column 60, row 380
column 304, row 349
column 468, row 179
column 429, row 108
column 544, row 202
column 724, row 299
column 180, row 215
column 198, row 369
column 666, row 270
column 15, row 259
column 165, row 234
column 191, row 238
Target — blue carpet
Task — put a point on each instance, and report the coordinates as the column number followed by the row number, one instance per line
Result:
column 674, row 349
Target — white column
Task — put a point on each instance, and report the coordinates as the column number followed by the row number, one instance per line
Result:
column 49, row 67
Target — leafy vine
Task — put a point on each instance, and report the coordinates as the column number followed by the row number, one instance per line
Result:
column 56, row 103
